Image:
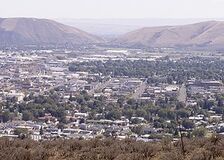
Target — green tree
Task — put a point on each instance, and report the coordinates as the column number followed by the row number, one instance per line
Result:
column 137, row 129
column 188, row 124
column 113, row 115
column 141, row 113
column 21, row 132
column 5, row 116
column 199, row 132
column 27, row 116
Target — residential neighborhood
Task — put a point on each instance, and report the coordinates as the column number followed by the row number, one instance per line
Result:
column 45, row 95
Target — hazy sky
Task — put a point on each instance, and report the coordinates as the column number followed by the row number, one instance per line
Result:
column 112, row 8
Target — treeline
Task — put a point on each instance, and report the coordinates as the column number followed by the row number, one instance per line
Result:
column 34, row 107
column 111, row 149
column 161, row 115
column 161, row 70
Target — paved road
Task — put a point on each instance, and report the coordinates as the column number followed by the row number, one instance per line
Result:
column 57, row 85
column 182, row 97
column 100, row 86
column 139, row 91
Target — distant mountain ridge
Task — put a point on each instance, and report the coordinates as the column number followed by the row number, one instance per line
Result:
column 204, row 35
column 28, row 31
column 33, row 31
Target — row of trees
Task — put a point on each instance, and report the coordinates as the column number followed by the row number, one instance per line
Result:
column 34, row 107
column 163, row 114
column 162, row 70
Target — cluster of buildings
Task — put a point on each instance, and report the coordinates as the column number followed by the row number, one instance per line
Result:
column 116, row 88
column 154, row 92
column 81, row 127
column 38, row 73
column 23, row 74
column 202, row 89
column 206, row 92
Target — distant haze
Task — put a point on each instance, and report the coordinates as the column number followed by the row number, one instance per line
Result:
column 115, row 27
column 102, row 9
column 114, row 17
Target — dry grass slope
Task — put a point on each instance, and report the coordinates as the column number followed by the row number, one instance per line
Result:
column 19, row 31
column 205, row 34
column 110, row 149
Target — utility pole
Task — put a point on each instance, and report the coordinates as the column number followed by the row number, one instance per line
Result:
column 181, row 135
